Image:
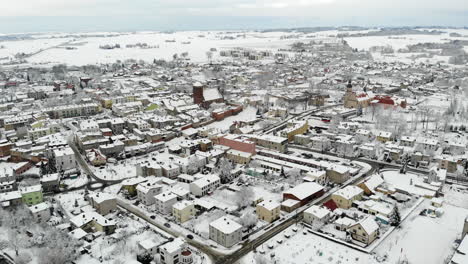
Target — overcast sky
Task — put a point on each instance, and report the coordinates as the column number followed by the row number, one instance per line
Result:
column 88, row 15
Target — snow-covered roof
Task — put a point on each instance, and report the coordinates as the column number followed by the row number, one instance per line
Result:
column 305, row 190
column 87, row 217
column 226, row 225
column 165, row 196
column 206, row 180
column 210, row 94
column 78, row 233
column 374, row 181
column 318, row 211
column 269, row 204
column 39, row 207
column 100, row 197
column 368, row 225
column 349, row 192
column 182, row 205
column 174, row 246
column 147, row 244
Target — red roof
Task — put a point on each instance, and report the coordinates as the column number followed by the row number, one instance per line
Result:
column 330, row 204
column 385, row 100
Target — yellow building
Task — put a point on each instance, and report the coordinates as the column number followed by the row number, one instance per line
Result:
column 268, row 211
column 384, row 136
column 365, row 231
column 183, row 211
column 345, row 197
column 293, row 129
column 239, row 157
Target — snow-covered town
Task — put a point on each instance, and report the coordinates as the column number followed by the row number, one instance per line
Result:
column 310, row 145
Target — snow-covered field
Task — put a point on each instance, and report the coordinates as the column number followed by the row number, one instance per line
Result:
column 306, row 248
column 405, row 182
column 248, row 114
column 423, row 239
column 196, row 43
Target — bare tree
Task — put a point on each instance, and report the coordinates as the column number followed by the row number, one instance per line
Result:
column 244, row 197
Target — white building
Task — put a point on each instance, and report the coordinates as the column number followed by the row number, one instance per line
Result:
column 225, row 232
column 316, row 214
column 64, row 159
column 146, row 191
column 205, row 185
column 176, row 252
column 40, row 212
column 164, row 202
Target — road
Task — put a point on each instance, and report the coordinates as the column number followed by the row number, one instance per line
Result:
column 212, row 254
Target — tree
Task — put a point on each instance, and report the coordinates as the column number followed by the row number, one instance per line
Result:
column 293, row 175
column 395, row 218
column 224, row 169
column 249, row 220
column 244, row 196
column 209, row 55
column 192, row 164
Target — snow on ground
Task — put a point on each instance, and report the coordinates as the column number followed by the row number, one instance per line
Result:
column 405, row 182
column 121, row 170
column 248, row 114
column 307, row 248
column 425, row 239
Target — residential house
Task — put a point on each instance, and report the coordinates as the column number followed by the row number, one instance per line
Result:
column 104, row 203
column 268, row 211
column 365, row 231
column 317, row 215
column 164, row 202
column 345, row 197
column 183, row 211
column 225, row 232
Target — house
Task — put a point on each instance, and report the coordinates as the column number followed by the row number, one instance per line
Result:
column 457, row 148
column 176, row 252
column 304, row 192
column 164, row 202
column 146, row 191
column 130, row 185
column 238, row 157
column 364, row 231
column 183, row 211
column 370, row 185
column 447, row 162
column 437, row 175
column 8, row 180
column 363, row 135
column 271, row 142
column 290, row 205
column 64, row 159
column 384, row 136
column 345, row 197
column 343, row 223
column 12, row 198
column 316, row 175
column 406, row 141
column 206, row 184
column 320, row 143
column 317, row 214
column 32, row 195
column 50, row 182
column 148, row 246
column 104, row 203
column 428, row 144
column 92, row 222
column 40, row 212
column 338, row 173
column 225, row 232
column 367, row 150
column 268, row 211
